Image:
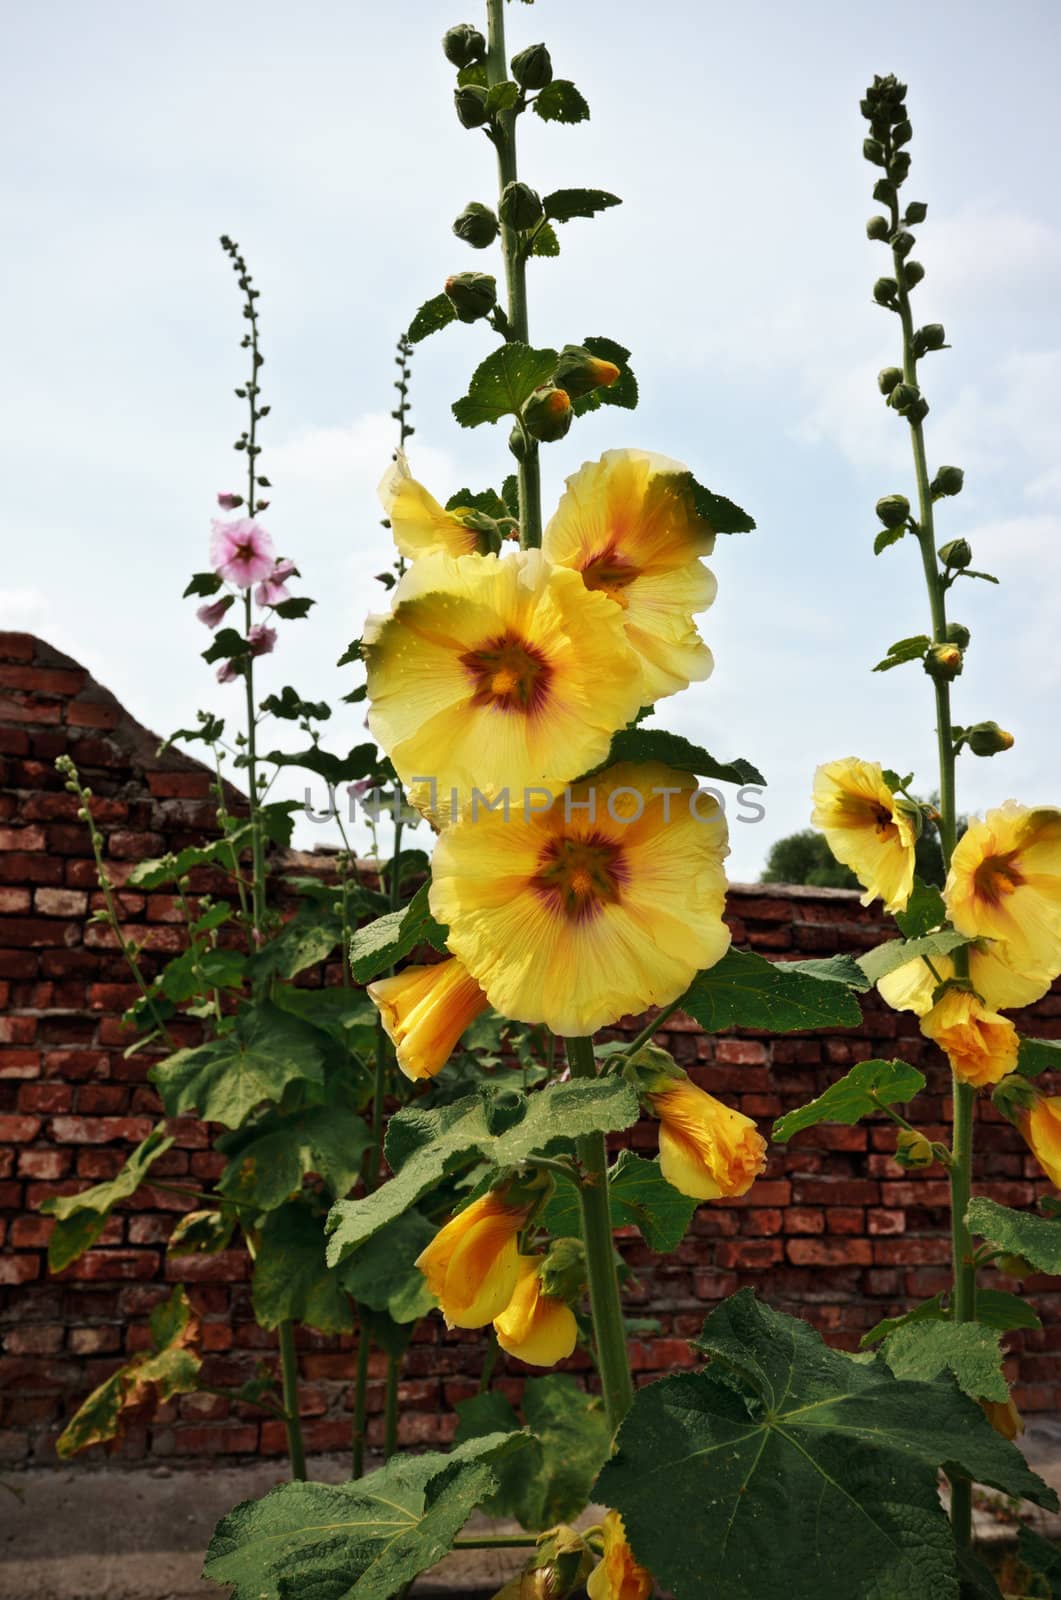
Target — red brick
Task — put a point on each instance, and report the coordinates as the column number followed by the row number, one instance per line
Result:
column 92, row 714
column 19, row 1130
column 19, row 1269
column 125, row 844
column 749, row 1254
column 878, row 1220
column 13, row 902
column 31, row 1233
column 829, row 1252
column 180, row 785
column 113, row 1265
column 43, row 680
column 22, row 839
column 44, row 1163
column 60, row 902
column 28, row 708
column 45, row 1098
column 36, row 1339
column 18, row 1030
column 100, row 1130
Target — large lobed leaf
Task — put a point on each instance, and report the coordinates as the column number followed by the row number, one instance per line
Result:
column 859, row 1093
column 292, row 1280
column 1022, row 1233
column 747, row 991
column 787, row 1468
column 655, row 744
column 924, row 1349
column 81, row 1218
column 387, row 940
column 268, row 1159
column 227, row 1078
column 422, row 1146
column 640, row 1197
column 896, row 953
column 169, row 1367
column 356, row 1541
column 500, row 384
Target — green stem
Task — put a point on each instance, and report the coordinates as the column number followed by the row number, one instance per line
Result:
column 963, row 1265
column 497, row 1541
column 605, row 1303
column 390, row 1407
column 503, row 136
column 293, row 1422
column 360, row 1402
column 257, row 851
column 645, row 1036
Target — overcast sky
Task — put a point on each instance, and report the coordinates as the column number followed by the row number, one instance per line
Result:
column 321, row 136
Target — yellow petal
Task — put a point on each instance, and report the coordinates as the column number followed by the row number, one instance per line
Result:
column 980, row 1045
column 706, row 1149
column 866, row 829
column 534, row 1327
column 424, row 1011
column 618, row 1576
column 419, row 524
column 1004, row 883
column 1041, row 1127
column 471, row 1264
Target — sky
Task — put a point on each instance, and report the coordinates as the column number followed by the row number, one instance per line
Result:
column 321, row 136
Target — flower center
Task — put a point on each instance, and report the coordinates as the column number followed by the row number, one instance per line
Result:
column 996, row 878
column 580, row 876
column 883, row 821
column 508, row 673
column 610, row 571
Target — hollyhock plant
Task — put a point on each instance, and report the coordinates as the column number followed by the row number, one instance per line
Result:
column 273, row 589
column 262, row 639
column 241, row 552
column 213, row 613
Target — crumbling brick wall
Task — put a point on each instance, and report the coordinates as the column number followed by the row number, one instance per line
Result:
column 834, row 1231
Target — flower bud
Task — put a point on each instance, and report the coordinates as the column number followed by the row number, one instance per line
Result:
column 884, row 191
column 472, row 294
column 916, row 211
column 913, row 272
column 1014, row 1266
column 912, row 1149
column 873, row 151
column 229, row 502
column 885, row 291
column 903, row 396
column 957, row 554
column 476, row 225
column 1014, row 1096
column 958, row 633
column 902, row 133
column 948, row 480
column 533, row 67
column 521, row 206
column 893, row 510
column 463, row 44
column 517, row 442
column 877, row 228
column 903, row 243
column 931, row 337
column 1003, row 1416
column 899, row 167
column 943, row 662
column 988, row 739
column 580, row 373
column 547, row 414
column 470, row 102
column 887, row 378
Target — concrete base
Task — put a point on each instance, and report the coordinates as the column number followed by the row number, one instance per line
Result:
column 113, row 1533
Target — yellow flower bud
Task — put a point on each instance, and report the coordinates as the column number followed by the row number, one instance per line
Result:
column 1041, row 1128
column 1003, row 1417
column 472, row 1265
column 425, row 1010
column 706, row 1150
column 535, row 1327
column 980, row 1045
column 618, row 1576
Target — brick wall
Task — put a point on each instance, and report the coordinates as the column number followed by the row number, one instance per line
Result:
column 834, row 1231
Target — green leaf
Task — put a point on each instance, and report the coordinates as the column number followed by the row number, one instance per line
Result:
column 912, row 649
column 544, row 241
column 551, row 1482
column 167, row 869
column 310, row 936
column 997, row 1308
column 802, row 1472
column 623, row 392
column 382, row 1274
column 360, row 762
column 292, row 1280
column 655, row 744
column 81, row 1218
column 640, row 1197
column 896, row 953
column 500, row 384
column 886, row 537
column 290, row 705
column 833, row 969
column 925, row 911
column 268, row 1159
column 204, row 584
column 228, row 644
column 1021, row 1233
column 201, row 1233
column 721, row 514
column 487, row 500
column 862, row 1091
column 747, row 991
column 1043, row 1559
column 295, row 609
column 560, row 101
column 352, row 652
column 226, row 1079
column 197, row 971
column 365, row 1540
column 433, row 315
column 922, row 1351
column 502, row 96
column 563, row 204
column 169, row 1367
column 933, row 1310
column 506, row 1129
column 385, row 942
column 1038, row 1055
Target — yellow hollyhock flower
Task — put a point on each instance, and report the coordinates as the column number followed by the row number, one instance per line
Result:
column 618, row 1576
column 866, row 829
column 472, row 1264
column 605, row 903
column 1003, row 1416
column 627, row 523
column 420, row 526
column 1005, row 883
column 1041, row 1128
column 536, row 1327
column 706, row 1150
column 980, row 1045
column 425, row 1010
column 1000, row 986
column 494, row 674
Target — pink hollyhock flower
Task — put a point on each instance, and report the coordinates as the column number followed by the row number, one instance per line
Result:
column 212, row 614
column 226, row 672
column 242, row 552
column 358, row 790
column 229, row 502
column 261, row 639
column 272, row 589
